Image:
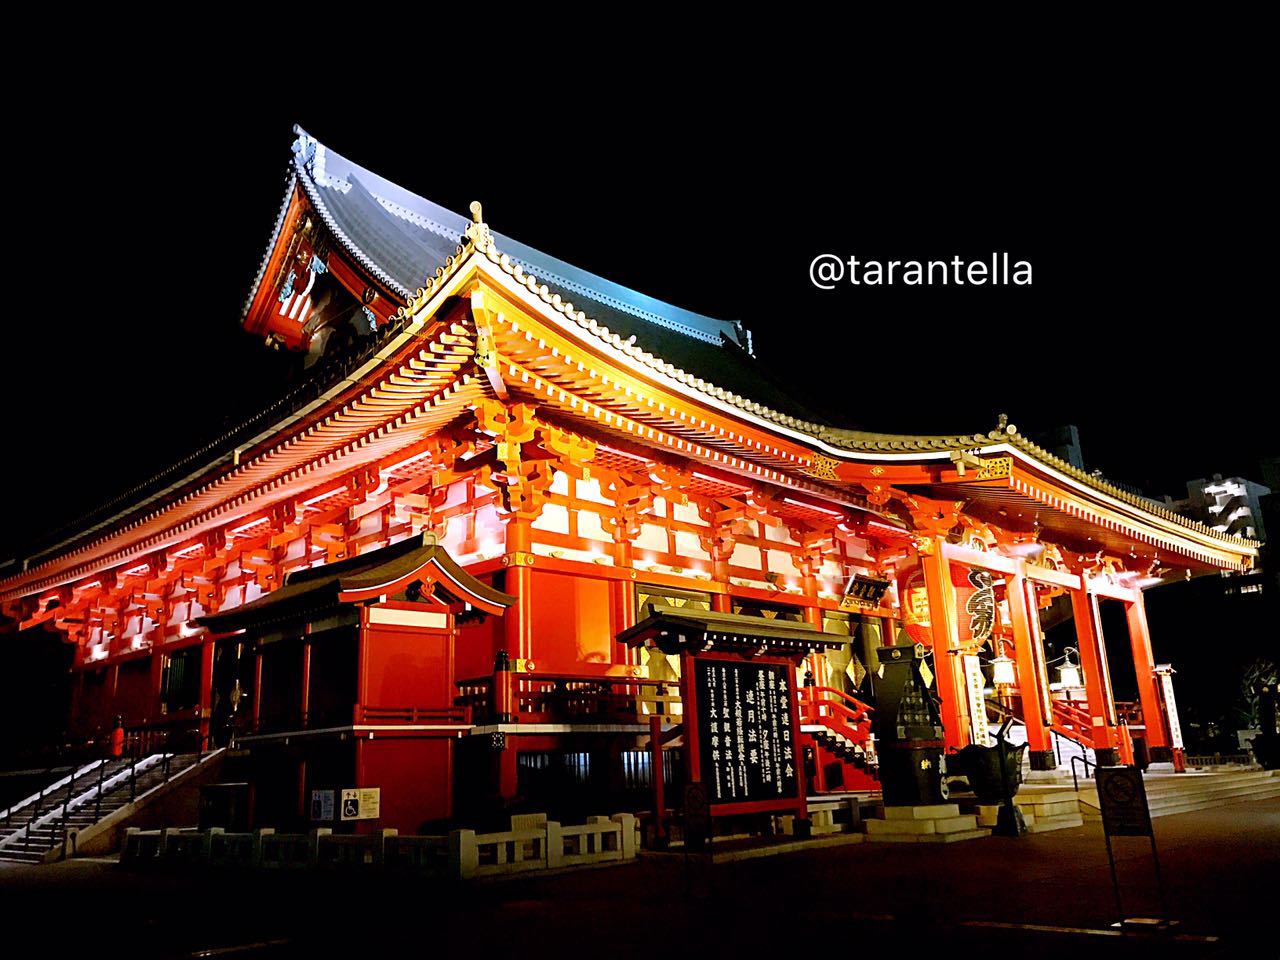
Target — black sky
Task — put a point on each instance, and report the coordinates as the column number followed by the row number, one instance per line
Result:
column 144, row 212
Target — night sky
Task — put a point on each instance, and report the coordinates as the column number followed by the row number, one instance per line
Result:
column 143, row 226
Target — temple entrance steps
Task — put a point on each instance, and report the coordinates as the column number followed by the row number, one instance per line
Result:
column 1170, row 793
column 843, row 747
column 1064, row 748
column 54, row 824
column 839, row 727
column 1167, row 793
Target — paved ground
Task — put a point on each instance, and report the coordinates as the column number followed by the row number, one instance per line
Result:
column 982, row 898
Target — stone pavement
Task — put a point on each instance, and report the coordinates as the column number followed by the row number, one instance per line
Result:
column 985, row 898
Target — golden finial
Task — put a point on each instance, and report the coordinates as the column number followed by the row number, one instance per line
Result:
column 478, row 231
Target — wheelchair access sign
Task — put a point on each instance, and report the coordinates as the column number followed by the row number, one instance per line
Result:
column 360, row 803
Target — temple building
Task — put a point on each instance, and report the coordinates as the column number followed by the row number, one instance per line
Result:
column 465, row 563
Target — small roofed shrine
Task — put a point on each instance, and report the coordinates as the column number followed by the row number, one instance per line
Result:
column 421, row 571
column 357, row 656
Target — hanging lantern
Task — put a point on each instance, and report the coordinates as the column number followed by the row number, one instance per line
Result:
column 914, row 598
column 1069, row 672
column 1002, row 673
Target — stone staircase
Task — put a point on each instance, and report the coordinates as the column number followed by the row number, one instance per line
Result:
column 1170, row 793
column 34, row 830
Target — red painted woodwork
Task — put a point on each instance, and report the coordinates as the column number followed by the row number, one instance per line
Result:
column 407, row 668
column 572, row 621
column 415, row 777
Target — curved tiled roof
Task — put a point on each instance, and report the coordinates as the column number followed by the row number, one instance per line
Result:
column 840, row 439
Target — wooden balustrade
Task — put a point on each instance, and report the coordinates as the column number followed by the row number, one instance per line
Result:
column 532, row 843
column 565, row 698
column 416, row 716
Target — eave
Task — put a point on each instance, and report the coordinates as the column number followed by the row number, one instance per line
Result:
column 567, row 361
column 409, row 388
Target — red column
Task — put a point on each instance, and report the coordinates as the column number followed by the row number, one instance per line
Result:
column 257, row 690
column 1093, row 662
column 306, row 680
column 816, row 662
column 1156, row 733
column 689, row 708
column 659, row 787
column 157, row 679
column 946, row 665
column 517, row 621
column 622, row 597
column 1032, row 683
column 207, row 651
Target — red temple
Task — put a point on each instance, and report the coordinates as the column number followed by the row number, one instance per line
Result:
column 424, row 573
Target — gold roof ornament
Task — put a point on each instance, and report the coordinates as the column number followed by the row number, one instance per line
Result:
column 477, row 230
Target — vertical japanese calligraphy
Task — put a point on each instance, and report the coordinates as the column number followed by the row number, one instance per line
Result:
column 747, row 741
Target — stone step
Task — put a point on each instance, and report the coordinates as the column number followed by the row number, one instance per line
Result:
column 976, row 833
column 15, row 856
column 1047, row 824
column 1053, row 808
column 926, row 812
column 915, row 828
column 1195, row 801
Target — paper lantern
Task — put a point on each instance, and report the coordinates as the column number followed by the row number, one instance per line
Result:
column 1002, row 673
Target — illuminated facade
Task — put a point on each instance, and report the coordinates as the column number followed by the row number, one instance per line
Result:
column 538, row 456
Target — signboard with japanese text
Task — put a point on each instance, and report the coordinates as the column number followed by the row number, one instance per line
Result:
column 361, row 803
column 976, row 684
column 1170, row 707
column 746, row 739
column 322, row 805
column 1122, row 796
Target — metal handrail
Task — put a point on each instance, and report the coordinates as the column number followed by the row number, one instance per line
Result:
column 138, row 756
column 1074, row 780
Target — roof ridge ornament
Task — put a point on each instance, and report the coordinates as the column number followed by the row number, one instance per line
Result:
column 477, row 230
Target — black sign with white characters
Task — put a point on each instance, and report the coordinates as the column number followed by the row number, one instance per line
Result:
column 747, row 747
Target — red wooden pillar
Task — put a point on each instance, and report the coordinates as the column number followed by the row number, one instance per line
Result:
column 207, row 650
column 508, row 779
column 1156, row 733
column 722, row 602
column 1097, row 682
column 656, row 776
column 622, row 598
column 109, row 695
column 257, row 690
column 305, row 700
column 157, row 677
column 1032, row 682
column 689, row 709
column 518, row 620
column 950, row 680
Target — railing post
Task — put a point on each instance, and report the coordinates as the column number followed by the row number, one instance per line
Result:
column 97, row 804
column 313, row 844
column 256, row 854
column 464, row 856
column 627, row 822
column 503, row 708
column 380, row 849
column 553, row 852
column 66, row 809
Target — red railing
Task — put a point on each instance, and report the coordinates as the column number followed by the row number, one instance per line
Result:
column 1072, row 719
column 568, row 698
column 1130, row 712
column 424, row 716
column 836, row 710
